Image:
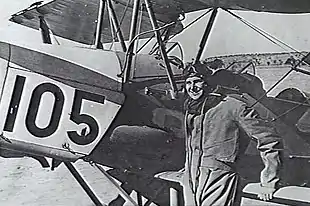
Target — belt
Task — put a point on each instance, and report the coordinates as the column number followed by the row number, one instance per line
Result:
column 212, row 162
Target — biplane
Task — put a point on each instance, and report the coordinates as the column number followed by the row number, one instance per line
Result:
column 122, row 108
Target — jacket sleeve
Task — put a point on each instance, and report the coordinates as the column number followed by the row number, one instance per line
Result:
column 268, row 141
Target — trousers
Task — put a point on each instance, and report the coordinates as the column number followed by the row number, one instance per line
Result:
column 210, row 187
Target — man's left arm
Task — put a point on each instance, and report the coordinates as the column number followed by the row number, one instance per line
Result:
column 269, row 145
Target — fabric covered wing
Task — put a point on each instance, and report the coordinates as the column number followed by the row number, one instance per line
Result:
column 185, row 6
column 77, row 19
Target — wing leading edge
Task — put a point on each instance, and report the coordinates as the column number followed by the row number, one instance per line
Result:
column 185, row 6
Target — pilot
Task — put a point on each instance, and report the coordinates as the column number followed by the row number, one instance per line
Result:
column 213, row 122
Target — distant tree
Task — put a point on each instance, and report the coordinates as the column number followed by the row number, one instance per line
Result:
column 280, row 61
column 290, row 60
column 258, row 61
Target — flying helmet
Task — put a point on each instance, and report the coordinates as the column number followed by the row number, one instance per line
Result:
column 197, row 70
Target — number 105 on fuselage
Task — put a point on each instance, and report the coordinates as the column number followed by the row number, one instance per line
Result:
column 40, row 110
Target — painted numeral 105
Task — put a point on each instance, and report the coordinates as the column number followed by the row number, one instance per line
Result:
column 53, row 124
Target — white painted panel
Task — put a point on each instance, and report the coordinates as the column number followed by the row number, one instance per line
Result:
column 102, row 112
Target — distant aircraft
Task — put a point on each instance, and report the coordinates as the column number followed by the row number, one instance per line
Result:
column 123, row 109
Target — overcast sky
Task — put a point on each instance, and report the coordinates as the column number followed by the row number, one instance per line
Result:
column 229, row 35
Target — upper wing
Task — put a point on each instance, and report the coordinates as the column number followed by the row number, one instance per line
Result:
column 77, row 19
column 184, row 6
column 274, row 6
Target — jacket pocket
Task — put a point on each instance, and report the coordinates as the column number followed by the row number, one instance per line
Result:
column 225, row 150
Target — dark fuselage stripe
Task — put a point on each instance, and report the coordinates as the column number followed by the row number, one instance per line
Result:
column 63, row 71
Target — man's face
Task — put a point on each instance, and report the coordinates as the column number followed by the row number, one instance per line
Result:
column 194, row 87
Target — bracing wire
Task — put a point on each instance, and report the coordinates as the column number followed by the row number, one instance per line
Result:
column 265, row 34
column 172, row 36
column 145, row 43
column 292, row 109
column 137, row 36
column 181, row 51
column 137, row 41
column 193, row 22
column 277, row 42
column 280, row 80
column 123, row 16
column 256, row 29
column 113, row 34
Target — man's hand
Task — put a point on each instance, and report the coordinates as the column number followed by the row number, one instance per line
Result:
column 266, row 193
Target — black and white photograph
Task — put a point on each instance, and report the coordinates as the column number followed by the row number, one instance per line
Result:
column 154, row 103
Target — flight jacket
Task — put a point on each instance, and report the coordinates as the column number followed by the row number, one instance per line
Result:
column 213, row 136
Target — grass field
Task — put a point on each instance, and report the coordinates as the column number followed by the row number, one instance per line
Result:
column 271, row 75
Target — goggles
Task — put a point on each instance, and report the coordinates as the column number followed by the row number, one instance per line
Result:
column 198, row 70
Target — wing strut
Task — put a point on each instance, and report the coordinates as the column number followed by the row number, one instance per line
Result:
column 161, row 43
column 133, row 32
column 206, row 35
column 161, row 46
column 45, row 33
column 120, row 189
column 98, row 44
column 83, row 184
column 74, row 170
column 116, row 25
